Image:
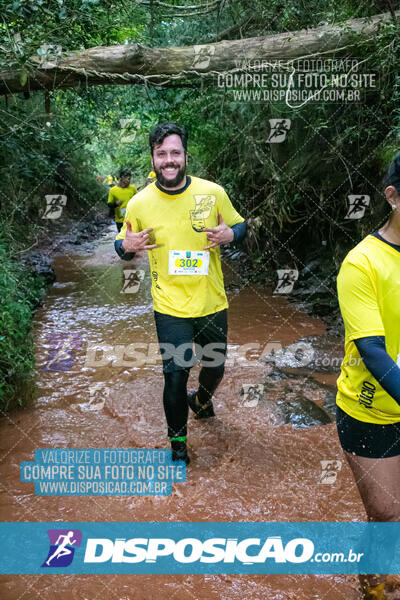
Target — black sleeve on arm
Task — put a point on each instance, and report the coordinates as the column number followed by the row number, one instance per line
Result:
column 121, row 252
column 373, row 352
column 239, row 231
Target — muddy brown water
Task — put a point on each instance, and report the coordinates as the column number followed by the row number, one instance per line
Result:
column 244, row 466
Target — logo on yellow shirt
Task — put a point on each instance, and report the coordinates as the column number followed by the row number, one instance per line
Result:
column 367, row 394
column 202, row 210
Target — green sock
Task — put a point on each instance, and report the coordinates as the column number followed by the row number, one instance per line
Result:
column 178, row 439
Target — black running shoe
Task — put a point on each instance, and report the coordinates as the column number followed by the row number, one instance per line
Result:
column 201, row 411
column 179, row 451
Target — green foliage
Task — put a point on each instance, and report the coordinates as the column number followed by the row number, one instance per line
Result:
column 29, row 26
column 19, row 294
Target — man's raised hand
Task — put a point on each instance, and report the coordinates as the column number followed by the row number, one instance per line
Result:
column 135, row 242
column 222, row 234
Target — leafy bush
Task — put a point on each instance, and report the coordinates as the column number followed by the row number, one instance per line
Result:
column 20, row 292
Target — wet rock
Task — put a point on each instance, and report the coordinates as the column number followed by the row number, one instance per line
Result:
column 294, row 398
column 302, row 412
column 277, row 375
column 330, row 404
column 296, row 355
column 320, row 354
column 316, row 290
column 40, row 264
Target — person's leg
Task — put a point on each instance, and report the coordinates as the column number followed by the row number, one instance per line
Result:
column 373, row 454
column 211, row 336
column 378, row 481
column 175, row 403
column 175, row 336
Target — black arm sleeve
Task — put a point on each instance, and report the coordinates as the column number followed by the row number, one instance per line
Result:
column 373, row 352
column 121, row 252
column 239, row 231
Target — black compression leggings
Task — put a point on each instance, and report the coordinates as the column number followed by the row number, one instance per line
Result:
column 175, row 334
column 175, row 395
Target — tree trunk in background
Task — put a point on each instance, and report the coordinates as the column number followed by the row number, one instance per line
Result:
column 175, row 66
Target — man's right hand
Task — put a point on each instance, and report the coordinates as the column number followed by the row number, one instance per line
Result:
column 135, row 242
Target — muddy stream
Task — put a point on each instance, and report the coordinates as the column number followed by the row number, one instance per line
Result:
column 258, row 460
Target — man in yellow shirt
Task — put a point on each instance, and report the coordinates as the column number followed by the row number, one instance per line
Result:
column 119, row 196
column 182, row 220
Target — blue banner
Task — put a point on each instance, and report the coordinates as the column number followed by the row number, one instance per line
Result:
column 200, row 548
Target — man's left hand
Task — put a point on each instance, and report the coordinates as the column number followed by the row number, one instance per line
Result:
column 222, row 234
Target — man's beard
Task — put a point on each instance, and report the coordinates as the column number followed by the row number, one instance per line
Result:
column 171, row 183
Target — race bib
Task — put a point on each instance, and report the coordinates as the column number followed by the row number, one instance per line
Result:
column 192, row 262
column 122, row 211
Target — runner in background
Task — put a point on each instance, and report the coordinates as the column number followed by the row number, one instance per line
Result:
column 182, row 220
column 368, row 398
column 151, row 177
column 119, row 196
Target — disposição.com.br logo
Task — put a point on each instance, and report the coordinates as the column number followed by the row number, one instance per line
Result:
column 62, row 547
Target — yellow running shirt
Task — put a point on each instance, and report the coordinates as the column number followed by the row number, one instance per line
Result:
column 177, row 220
column 369, row 298
column 116, row 194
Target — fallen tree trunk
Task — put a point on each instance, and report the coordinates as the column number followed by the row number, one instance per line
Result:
column 135, row 63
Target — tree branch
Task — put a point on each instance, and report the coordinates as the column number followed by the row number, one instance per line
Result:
column 134, row 63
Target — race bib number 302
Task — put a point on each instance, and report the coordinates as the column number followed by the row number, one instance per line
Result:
column 188, row 262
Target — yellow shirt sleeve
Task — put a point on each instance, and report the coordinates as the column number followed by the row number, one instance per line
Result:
column 228, row 212
column 132, row 220
column 358, row 302
column 111, row 198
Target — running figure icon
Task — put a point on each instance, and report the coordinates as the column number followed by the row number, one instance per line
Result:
column 62, row 549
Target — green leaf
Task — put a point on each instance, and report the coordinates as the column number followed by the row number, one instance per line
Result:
column 23, row 77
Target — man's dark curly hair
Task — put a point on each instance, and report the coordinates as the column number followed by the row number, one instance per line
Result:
column 163, row 130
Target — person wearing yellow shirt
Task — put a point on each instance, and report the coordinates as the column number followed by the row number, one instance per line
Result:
column 119, row 196
column 368, row 398
column 151, row 177
column 182, row 221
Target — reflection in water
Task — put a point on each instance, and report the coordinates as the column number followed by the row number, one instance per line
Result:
column 246, row 465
